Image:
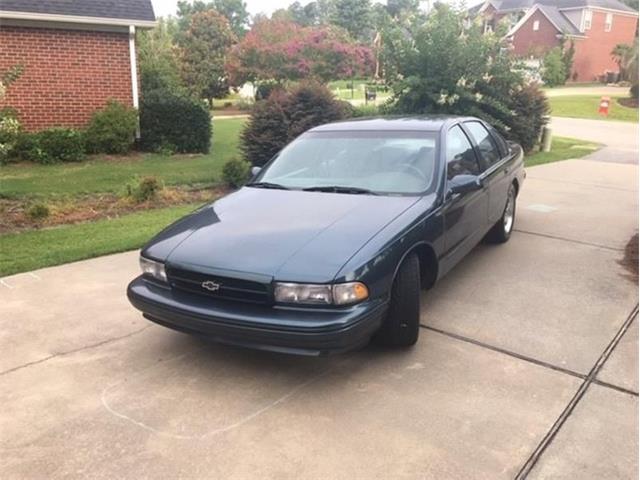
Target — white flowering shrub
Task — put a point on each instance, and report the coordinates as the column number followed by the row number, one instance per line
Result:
column 9, row 131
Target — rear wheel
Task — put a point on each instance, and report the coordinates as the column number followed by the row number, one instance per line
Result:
column 402, row 324
column 501, row 231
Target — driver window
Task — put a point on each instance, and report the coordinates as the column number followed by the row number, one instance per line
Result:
column 461, row 160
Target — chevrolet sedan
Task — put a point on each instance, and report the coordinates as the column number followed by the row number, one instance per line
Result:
column 329, row 245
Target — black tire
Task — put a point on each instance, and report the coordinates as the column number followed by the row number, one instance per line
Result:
column 401, row 326
column 501, row 231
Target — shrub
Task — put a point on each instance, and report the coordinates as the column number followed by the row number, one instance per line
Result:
column 285, row 115
column 366, row 111
column 60, row 145
column 633, row 91
column 146, row 188
column 38, row 211
column 531, row 109
column 236, row 172
column 9, row 134
column 112, row 129
column 554, row 71
column 177, row 120
column 27, row 148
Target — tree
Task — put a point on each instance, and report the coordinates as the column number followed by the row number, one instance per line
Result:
column 158, row 57
column 306, row 15
column 402, row 8
column 235, row 11
column 203, row 49
column 444, row 65
column 567, row 59
column 280, row 50
column 554, row 72
column 355, row 17
column 631, row 3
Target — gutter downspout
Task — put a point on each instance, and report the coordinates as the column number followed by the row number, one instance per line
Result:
column 134, row 72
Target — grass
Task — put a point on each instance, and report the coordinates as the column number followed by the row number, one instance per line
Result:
column 21, row 252
column 586, row 106
column 562, row 148
column 110, row 175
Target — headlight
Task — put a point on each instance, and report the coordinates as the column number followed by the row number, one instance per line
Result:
column 153, row 269
column 311, row 294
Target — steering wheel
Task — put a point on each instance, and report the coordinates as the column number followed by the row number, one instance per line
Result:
column 413, row 168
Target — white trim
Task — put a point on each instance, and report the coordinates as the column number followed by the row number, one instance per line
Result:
column 586, row 13
column 134, row 71
column 608, row 22
column 602, row 9
column 528, row 15
column 536, row 25
column 76, row 19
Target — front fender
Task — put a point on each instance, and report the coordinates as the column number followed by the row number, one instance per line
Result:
column 377, row 262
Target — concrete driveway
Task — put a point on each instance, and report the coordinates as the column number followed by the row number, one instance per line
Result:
column 526, row 367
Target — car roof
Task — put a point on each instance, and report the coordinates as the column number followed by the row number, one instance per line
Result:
column 426, row 123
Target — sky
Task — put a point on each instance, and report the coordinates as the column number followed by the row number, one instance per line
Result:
column 168, row 7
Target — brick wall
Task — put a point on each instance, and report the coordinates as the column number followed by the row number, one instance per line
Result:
column 529, row 42
column 593, row 54
column 68, row 74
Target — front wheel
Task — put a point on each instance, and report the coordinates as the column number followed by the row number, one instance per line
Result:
column 402, row 324
column 501, row 231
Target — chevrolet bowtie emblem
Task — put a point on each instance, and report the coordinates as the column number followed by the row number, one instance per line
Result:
column 211, row 286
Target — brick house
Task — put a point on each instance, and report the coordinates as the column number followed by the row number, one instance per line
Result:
column 595, row 27
column 75, row 55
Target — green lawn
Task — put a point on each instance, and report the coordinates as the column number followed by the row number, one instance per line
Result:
column 21, row 252
column 110, row 175
column 562, row 148
column 586, row 106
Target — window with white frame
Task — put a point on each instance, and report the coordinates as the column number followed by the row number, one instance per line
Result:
column 608, row 21
column 586, row 21
column 536, row 26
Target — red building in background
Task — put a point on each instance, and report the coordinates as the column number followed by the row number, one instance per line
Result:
column 75, row 56
column 594, row 26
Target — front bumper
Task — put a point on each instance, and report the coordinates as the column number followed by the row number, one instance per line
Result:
column 305, row 331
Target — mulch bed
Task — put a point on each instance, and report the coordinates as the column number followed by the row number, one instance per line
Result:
column 14, row 217
column 630, row 260
column 628, row 102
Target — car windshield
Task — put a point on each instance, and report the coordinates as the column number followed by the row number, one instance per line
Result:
column 355, row 162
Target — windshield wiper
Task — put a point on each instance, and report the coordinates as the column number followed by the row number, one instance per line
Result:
column 339, row 189
column 267, row 185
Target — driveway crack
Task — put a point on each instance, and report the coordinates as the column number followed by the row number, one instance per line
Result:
column 75, row 350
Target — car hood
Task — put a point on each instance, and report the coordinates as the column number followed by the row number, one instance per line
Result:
column 289, row 235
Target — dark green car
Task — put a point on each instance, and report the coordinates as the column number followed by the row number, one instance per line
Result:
column 330, row 243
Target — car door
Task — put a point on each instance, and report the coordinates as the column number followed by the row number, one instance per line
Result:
column 495, row 172
column 465, row 215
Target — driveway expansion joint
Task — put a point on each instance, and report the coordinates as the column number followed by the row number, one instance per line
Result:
column 582, row 390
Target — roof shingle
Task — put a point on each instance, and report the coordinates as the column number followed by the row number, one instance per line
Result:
column 141, row 10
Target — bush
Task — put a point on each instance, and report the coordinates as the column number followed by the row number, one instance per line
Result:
column 554, row 71
column 236, row 172
column 141, row 190
column 365, row 111
column 531, row 110
column 59, row 145
column 285, row 115
column 27, row 148
column 176, row 120
column 112, row 129
column 633, row 91
column 9, row 134
column 38, row 211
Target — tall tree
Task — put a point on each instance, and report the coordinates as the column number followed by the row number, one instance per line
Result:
column 203, row 50
column 281, row 50
column 158, row 57
column 235, row 12
column 355, row 17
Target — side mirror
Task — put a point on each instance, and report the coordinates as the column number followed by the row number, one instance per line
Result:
column 461, row 184
column 255, row 170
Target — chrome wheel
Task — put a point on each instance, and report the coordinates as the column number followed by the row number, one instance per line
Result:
column 509, row 211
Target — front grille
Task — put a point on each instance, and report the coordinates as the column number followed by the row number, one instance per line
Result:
column 222, row 288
